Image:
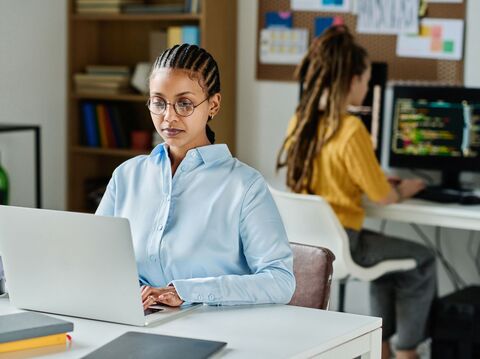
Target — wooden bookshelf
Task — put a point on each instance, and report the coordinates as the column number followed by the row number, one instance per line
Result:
column 111, row 97
column 123, row 39
column 137, row 17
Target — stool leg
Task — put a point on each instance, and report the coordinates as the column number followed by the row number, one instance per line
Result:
column 341, row 295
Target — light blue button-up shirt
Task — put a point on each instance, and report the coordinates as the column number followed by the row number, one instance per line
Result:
column 213, row 230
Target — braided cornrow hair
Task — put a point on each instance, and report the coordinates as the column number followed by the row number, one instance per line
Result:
column 326, row 73
column 199, row 62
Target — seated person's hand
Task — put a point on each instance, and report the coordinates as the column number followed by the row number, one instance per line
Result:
column 394, row 180
column 167, row 296
column 410, row 186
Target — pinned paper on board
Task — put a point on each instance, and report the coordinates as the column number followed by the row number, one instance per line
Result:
column 438, row 39
column 387, row 16
column 279, row 19
column 321, row 5
column 445, row 1
column 283, row 46
column 324, row 22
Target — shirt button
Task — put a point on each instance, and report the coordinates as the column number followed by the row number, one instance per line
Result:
column 152, row 258
column 160, row 228
column 211, row 297
column 194, row 154
column 183, row 168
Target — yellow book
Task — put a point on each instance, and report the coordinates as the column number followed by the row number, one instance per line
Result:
column 55, row 339
column 174, row 36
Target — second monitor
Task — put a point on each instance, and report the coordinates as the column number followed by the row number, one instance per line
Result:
column 436, row 128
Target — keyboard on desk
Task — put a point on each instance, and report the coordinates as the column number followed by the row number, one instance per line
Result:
column 442, row 195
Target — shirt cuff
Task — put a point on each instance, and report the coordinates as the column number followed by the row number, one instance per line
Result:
column 197, row 291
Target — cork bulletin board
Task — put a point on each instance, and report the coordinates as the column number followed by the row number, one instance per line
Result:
column 381, row 48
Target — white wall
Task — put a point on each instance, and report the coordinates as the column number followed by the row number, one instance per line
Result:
column 32, row 91
column 263, row 112
column 472, row 52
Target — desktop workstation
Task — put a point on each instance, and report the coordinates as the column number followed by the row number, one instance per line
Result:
column 435, row 128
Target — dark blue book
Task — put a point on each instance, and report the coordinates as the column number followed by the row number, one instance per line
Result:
column 119, row 128
column 90, row 126
column 26, row 325
column 146, row 346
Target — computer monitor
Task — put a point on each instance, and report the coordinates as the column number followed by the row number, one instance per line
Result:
column 436, row 128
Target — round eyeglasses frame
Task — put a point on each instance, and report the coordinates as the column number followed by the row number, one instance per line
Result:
column 174, row 105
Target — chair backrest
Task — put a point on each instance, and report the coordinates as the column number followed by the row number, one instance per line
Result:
column 310, row 220
column 313, row 269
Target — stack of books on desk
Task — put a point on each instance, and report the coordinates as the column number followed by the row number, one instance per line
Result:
column 103, row 6
column 103, row 79
column 29, row 330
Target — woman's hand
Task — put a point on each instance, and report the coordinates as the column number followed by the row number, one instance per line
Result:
column 167, row 296
column 410, row 187
column 402, row 189
column 394, row 180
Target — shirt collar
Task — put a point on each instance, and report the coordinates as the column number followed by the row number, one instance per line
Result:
column 208, row 153
column 212, row 153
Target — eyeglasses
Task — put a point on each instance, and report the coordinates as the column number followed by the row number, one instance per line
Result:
column 183, row 107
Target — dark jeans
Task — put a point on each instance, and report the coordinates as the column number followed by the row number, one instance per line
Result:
column 402, row 299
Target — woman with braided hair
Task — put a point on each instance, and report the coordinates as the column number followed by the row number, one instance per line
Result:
column 204, row 225
column 329, row 153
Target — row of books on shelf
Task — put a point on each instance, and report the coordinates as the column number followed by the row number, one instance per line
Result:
column 163, row 39
column 104, row 126
column 137, row 6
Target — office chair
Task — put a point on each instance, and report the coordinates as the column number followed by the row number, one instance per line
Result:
column 310, row 220
column 313, row 268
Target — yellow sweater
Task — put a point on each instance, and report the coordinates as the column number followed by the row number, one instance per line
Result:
column 345, row 168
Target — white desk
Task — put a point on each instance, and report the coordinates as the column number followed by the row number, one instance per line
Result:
column 429, row 213
column 263, row 331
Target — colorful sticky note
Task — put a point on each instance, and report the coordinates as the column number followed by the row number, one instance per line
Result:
column 436, row 45
column 425, row 31
column 436, row 31
column 448, row 46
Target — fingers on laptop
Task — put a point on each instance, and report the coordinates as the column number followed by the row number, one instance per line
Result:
column 171, row 299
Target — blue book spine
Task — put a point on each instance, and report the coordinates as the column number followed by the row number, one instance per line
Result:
column 90, row 124
column 191, row 35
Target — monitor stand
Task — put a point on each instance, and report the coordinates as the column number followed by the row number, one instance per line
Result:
column 451, row 181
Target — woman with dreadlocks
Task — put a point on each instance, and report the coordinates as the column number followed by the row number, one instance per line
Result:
column 204, row 225
column 329, row 153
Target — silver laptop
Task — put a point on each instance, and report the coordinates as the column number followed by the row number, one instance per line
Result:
column 74, row 264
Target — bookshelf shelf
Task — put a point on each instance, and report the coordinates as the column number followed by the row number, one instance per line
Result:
column 108, row 97
column 137, row 17
column 124, row 40
column 113, row 152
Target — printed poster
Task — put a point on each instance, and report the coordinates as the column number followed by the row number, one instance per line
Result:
column 389, row 17
column 283, row 46
column 438, row 39
column 321, row 5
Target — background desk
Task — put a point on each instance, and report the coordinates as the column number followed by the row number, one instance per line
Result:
column 428, row 213
column 262, row 331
